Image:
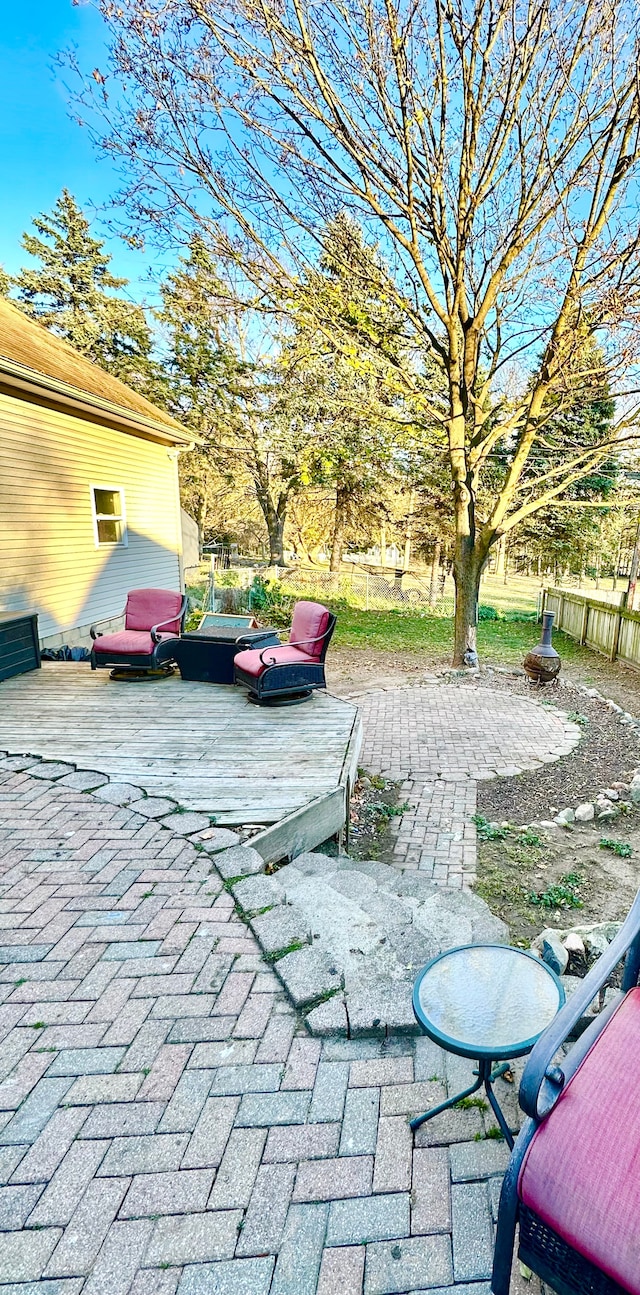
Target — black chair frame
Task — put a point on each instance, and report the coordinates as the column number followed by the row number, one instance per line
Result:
column 160, row 657
column 548, row 1255
column 287, row 681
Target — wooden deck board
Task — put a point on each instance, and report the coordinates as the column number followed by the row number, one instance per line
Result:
column 205, row 746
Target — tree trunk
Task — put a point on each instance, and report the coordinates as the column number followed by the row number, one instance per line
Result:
column 201, row 515
column 467, row 569
column 383, row 544
column 275, row 525
column 408, row 535
column 501, row 553
column 338, row 528
column 435, row 571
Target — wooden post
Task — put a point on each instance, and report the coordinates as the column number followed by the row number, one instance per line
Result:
column 616, row 635
column 585, row 618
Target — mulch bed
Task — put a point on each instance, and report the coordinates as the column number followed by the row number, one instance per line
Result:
column 607, row 753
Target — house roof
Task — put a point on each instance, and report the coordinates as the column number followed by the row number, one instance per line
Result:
column 34, row 359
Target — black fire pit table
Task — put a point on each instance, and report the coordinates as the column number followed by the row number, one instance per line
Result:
column 208, row 654
column 488, row 1002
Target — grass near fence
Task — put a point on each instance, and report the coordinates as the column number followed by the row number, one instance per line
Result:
column 499, row 642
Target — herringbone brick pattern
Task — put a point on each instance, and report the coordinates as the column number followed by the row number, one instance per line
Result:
column 441, row 740
column 166, row 1124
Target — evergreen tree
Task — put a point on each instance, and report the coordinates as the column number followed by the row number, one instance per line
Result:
column 225, row 382
column 72, row 292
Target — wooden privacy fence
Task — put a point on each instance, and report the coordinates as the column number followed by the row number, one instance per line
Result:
column 607, row 627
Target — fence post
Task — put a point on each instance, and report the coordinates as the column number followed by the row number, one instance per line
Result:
column 616, row 635
column 583, row 626
column 366, row 592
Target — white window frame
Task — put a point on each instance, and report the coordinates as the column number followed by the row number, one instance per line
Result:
column 123, row 542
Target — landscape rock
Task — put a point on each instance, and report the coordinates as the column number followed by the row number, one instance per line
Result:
column 239, row 861
column 611, row 793
column 585, row 813
column 565, row 818
column 607, row 929
column 280, row 929
column 607, row 815
column 596, row 943
column 554, row 953
column 574, row 944
column 635, row 791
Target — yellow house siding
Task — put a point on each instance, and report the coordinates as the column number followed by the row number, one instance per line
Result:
column 49, row 561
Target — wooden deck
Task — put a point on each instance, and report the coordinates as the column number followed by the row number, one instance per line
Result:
column 203, row 745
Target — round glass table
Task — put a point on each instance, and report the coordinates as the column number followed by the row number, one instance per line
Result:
column 489, row 1002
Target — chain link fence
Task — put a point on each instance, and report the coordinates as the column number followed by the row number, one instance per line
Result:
column 370, row 591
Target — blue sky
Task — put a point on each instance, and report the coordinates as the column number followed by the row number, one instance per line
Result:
column 41, row 149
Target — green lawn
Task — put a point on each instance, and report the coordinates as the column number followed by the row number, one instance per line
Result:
column 500, row 642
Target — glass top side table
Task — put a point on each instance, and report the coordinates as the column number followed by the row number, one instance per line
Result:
column 489, row 1002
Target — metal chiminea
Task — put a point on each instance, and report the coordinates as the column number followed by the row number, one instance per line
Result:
column 542, row 664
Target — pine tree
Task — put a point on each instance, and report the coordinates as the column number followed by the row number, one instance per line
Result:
column 72, row 292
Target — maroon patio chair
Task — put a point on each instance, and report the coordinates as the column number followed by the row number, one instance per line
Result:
column 289, row 673
column 573, row 1181
column 154, row 620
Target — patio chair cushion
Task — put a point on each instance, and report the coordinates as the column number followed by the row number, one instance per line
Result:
column 249, row 662
column 129, row 642
column 581, row 1172
column 148, row 607
column 309, row 621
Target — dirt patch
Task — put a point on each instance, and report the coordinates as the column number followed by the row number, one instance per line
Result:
column 520, row 880
column 611, row 678
column 607, row 753
column 375, row 806
column 354, row 670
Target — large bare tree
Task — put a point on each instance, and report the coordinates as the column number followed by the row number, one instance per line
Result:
column 491, row 147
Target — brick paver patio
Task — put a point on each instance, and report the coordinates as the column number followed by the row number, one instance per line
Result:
column 165, row 1122
column 441, row 741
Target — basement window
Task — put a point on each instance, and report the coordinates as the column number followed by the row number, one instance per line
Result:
column 109, row 520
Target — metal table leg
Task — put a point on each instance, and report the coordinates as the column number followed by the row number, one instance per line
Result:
column 484, row 1080
column 445, row 1106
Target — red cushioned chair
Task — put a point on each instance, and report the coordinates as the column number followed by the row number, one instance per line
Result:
column 153, row 620
column 573, row 1181
column 289, row 673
